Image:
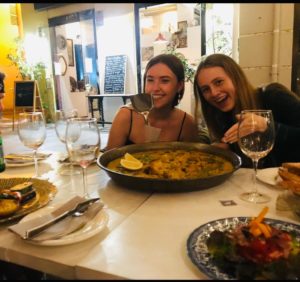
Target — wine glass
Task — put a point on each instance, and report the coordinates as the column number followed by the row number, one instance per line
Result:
column 60, row 129
column 256, row 134
column 32, row 133
column 83, row 143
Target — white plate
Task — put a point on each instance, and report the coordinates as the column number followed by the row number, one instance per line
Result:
column 93, row 227
column 269, row 176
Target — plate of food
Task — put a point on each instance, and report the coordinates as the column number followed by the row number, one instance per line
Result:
column 290, row 177
column 169, row 166
column 21, row 196
column 238, row 248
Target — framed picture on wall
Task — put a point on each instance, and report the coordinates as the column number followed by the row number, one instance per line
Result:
column 70, row 52
column 147, row 53
column 182, row 34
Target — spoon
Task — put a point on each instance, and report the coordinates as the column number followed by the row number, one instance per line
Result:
column 143, row 104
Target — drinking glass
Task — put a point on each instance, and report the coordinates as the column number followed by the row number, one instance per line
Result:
column 83, row 143
column 60, row 129
column 256, row 134
column 32, row 133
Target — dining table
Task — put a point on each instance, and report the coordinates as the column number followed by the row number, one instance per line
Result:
column 146, row 233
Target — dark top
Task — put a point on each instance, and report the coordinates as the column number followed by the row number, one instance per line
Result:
column 129, row 142
column 286, row 114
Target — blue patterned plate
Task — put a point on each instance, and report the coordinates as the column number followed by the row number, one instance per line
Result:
column 197, row 249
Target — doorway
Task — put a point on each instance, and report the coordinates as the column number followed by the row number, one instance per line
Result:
column 74, row 56
column 296, row 52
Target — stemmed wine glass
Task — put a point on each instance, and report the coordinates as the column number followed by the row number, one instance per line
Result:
column 83, row 143
column 61, row 129
column 32, row 132
column 256, row 134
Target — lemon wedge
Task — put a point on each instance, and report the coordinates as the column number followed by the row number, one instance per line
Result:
column 130, row 157
column 131, row 165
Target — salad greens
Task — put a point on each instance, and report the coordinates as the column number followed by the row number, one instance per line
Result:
column 244, row 256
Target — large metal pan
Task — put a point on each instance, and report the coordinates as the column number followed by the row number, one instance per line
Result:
column 166, row 185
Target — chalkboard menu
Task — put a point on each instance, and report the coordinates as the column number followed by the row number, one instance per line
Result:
column 25, row 93
column 115, row 74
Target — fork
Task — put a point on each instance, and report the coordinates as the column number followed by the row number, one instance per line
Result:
column 79, row 210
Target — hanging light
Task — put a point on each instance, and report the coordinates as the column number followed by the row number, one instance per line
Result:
column 160, row 38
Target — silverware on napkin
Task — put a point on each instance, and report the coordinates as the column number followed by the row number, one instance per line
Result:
column 60, row 222
column 20, row 158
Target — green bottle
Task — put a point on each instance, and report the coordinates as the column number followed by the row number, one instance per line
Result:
column 2, row 163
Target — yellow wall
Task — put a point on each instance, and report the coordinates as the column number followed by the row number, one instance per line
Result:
column 8, row 33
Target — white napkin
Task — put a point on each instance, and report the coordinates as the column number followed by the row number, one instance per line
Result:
column 63, row 227
column 24, row 157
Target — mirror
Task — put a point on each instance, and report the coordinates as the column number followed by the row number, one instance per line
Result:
column 74, row 53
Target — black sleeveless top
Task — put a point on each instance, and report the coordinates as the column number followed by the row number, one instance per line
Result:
column 129, row 142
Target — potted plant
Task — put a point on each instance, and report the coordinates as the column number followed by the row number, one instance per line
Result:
column 189, row 69
column 31, row 72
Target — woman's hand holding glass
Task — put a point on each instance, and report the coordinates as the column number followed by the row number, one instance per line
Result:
column 250, row 123
column 256, row 136
column 83, row 143
column 32, row 132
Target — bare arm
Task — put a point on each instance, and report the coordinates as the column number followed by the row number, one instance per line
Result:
column 119, row 129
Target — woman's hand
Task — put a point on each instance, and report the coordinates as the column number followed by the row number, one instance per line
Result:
column 221, row 145
column 247, row 127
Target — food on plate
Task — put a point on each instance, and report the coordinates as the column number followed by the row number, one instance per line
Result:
column 173, row 164
column 23, row 188
column 290, row 177
column 292, row 167
column 8, row 206
column 20, row 196
column 256, row 250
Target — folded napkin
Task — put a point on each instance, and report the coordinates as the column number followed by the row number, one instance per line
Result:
column 23, row 158
column 61, row 228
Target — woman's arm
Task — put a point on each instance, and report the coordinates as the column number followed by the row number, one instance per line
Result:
column 119, row 130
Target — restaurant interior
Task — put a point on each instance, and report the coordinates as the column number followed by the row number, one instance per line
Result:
column 91, row 57
column 69, row 45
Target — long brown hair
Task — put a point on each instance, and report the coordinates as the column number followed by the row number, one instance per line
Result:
column 246, row 97
column 175, row 65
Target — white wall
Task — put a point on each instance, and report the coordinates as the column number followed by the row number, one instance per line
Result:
column 265, row 42
column 117, row 37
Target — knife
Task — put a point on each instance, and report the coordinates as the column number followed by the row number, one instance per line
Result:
column 79, row 208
